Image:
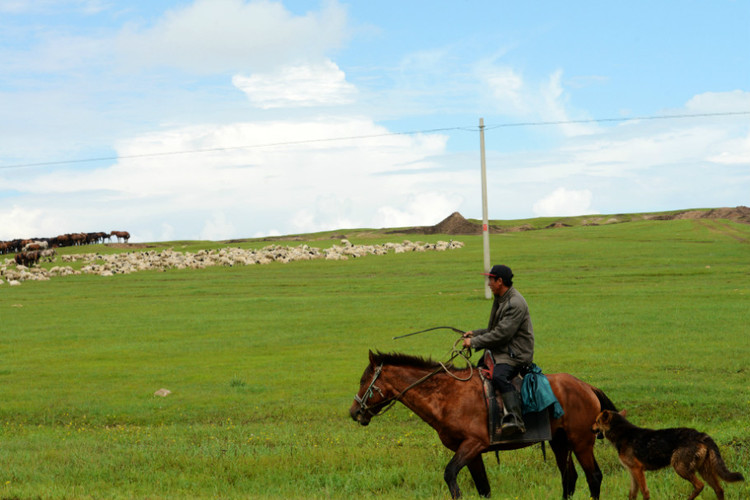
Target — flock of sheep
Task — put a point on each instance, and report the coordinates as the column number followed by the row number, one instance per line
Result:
column 130, row 262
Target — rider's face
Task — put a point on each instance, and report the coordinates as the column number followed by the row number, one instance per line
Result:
column 496, row 285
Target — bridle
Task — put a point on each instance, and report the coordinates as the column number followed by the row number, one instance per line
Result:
column 363, row 406
column 387, row 404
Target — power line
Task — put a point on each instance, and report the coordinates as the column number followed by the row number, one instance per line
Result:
column 372, row 136
column 605, row 120
column 228, row 148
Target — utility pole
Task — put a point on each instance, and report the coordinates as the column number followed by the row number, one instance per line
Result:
column 485, row 220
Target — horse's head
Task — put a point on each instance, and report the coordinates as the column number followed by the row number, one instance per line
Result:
column 370, row 398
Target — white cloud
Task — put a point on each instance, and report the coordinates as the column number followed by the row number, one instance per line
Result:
column 51, row 6
column 554, row 107
column 719, row 102
column 507, row 89
column 421, row 209
column 231, row 35
column 167, row 232
column 293, row 86
column 218, row 228
column 733, row 152
column 21, row 221
column 564, row 202
column 545, row 100
column 300, row 187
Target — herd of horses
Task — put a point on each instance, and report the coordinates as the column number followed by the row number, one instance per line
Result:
column 24, row 246
column 453, row 403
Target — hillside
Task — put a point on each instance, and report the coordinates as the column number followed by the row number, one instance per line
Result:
column 456, row 224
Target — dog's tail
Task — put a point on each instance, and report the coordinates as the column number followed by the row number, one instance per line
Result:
column 718, row 465
column 604, row 401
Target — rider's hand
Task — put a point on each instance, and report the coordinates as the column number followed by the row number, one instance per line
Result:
column 468, row 334
column 467, row 342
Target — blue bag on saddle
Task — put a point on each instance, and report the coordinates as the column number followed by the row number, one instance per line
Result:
column 536, row 393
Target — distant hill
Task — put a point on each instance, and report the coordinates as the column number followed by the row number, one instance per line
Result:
column 456, row 224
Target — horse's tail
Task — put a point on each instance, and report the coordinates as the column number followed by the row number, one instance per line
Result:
column 604, row 401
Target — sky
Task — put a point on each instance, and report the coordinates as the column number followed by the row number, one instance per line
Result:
column 222, row 119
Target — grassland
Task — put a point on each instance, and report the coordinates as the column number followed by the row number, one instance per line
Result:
column 263, row 361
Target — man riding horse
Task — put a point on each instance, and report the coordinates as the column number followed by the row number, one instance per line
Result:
column 509, row 339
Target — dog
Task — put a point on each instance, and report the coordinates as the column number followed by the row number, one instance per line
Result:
column 687, row 450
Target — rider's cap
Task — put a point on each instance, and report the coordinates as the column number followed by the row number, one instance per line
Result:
column 501, row 271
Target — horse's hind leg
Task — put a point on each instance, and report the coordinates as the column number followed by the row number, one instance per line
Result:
column 479, row 475
column 559, row 444
column 591, row 468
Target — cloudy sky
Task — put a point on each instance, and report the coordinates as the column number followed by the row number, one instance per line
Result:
column 218, row 119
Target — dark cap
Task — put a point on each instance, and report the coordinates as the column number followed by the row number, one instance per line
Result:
column 500, row 271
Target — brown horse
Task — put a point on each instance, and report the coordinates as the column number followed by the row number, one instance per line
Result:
column 452, row 402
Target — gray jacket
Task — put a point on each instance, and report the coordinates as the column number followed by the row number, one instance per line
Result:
column 509, row 334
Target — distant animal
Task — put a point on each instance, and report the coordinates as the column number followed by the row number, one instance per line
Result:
column 35, row 245
column 78, row 239
column 687, row 450
column 121, row 234
column 48, row 254
column 27, row 258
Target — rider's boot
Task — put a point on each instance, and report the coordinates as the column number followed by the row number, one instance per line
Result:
column 512, row 420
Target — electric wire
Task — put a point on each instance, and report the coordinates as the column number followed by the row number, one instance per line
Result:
column 372, row 136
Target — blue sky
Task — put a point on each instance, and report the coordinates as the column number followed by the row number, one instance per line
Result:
column 218, row 119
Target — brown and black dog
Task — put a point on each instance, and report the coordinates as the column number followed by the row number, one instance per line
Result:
column 687, row 450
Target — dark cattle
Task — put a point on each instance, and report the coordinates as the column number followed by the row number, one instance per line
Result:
column 62, row 240
column 27, row 259
column 14, row 246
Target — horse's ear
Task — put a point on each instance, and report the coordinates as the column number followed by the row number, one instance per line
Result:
column 372, row 356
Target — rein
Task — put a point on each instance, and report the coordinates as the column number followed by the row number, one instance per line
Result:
column 388, row 403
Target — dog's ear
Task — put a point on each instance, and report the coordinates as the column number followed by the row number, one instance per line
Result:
column 605, row 417
column 623, row 412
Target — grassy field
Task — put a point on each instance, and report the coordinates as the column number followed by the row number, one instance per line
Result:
column 263, row 362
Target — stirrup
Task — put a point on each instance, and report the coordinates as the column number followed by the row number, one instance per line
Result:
column 512, row 426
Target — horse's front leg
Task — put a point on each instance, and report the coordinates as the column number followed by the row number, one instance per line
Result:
column 479, row 475
column 467, row 452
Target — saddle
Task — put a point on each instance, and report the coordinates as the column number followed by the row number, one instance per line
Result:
column 537, row 423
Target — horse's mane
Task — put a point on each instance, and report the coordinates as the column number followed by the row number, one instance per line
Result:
column 401, row 359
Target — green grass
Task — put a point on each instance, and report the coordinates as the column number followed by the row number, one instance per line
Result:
column 263, row 361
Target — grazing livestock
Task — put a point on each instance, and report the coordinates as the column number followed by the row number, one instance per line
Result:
column 125, row 263
column 121, row 234
column 27, row 258
column 78, row 238
column 36, row 245
column 63, row 240
column 48, row 254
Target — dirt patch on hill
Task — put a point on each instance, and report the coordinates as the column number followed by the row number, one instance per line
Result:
column 736, row 214
column 455, row 223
